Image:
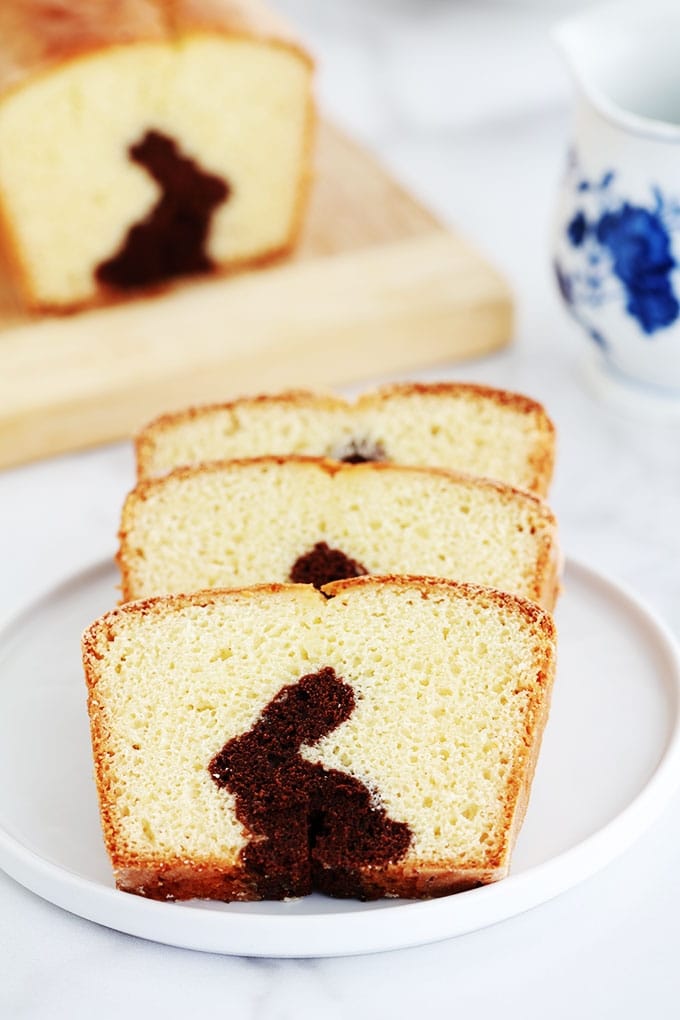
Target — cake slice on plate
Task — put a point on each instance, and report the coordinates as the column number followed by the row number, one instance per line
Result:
column 376, row 738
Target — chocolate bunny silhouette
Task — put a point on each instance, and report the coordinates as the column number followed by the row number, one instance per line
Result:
column 170, row 241
column 310, row 827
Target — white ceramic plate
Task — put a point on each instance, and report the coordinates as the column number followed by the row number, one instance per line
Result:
column 610, row 761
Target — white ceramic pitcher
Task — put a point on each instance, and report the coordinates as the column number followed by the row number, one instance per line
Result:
column 617, row 243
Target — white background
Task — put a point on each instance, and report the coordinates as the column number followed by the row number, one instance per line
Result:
column 468, row 104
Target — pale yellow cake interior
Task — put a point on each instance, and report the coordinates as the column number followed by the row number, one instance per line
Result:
column 460, row 430
column 69, row 191
column 448, row 694
column 248, row 523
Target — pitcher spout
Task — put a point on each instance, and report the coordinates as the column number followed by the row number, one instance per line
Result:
column 623, row 57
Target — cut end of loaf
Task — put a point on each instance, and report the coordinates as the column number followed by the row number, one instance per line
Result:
column 127, row 166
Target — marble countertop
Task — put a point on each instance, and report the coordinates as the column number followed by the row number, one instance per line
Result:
column 469, row 106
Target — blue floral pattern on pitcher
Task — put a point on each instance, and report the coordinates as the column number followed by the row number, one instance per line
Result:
column 619, row 251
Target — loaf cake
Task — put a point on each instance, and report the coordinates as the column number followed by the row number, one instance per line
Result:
column 142, row 140
column 460, row 426
column 376, row 738
column 236, row 523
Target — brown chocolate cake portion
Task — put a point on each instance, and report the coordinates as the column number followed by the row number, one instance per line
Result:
column 171, row 240
column 311, row 826
column 321, row 565
column 361, row 451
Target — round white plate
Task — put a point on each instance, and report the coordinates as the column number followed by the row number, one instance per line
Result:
column 610, row 761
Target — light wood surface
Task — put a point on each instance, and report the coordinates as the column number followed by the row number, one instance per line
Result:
column 377, row 285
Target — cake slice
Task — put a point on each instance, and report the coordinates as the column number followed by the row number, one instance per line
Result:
column 377, row 738
column 461, row 426
column 142, row 140
column 315, row 521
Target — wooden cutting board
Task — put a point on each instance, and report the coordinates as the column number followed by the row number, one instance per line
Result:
column 377, row 285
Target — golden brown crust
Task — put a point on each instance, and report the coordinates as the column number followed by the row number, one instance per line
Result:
column 99, row 734
column 37, row 35
column 523, row 773
column 507, row 398
column 531, row 612
column 304, row 187
column 233, row 17
column 105, row 624
column 11, row 266
column 177, row 880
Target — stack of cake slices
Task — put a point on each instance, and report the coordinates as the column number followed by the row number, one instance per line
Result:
column 333, row 661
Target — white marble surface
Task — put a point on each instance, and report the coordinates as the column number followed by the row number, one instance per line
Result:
column 467, row 102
